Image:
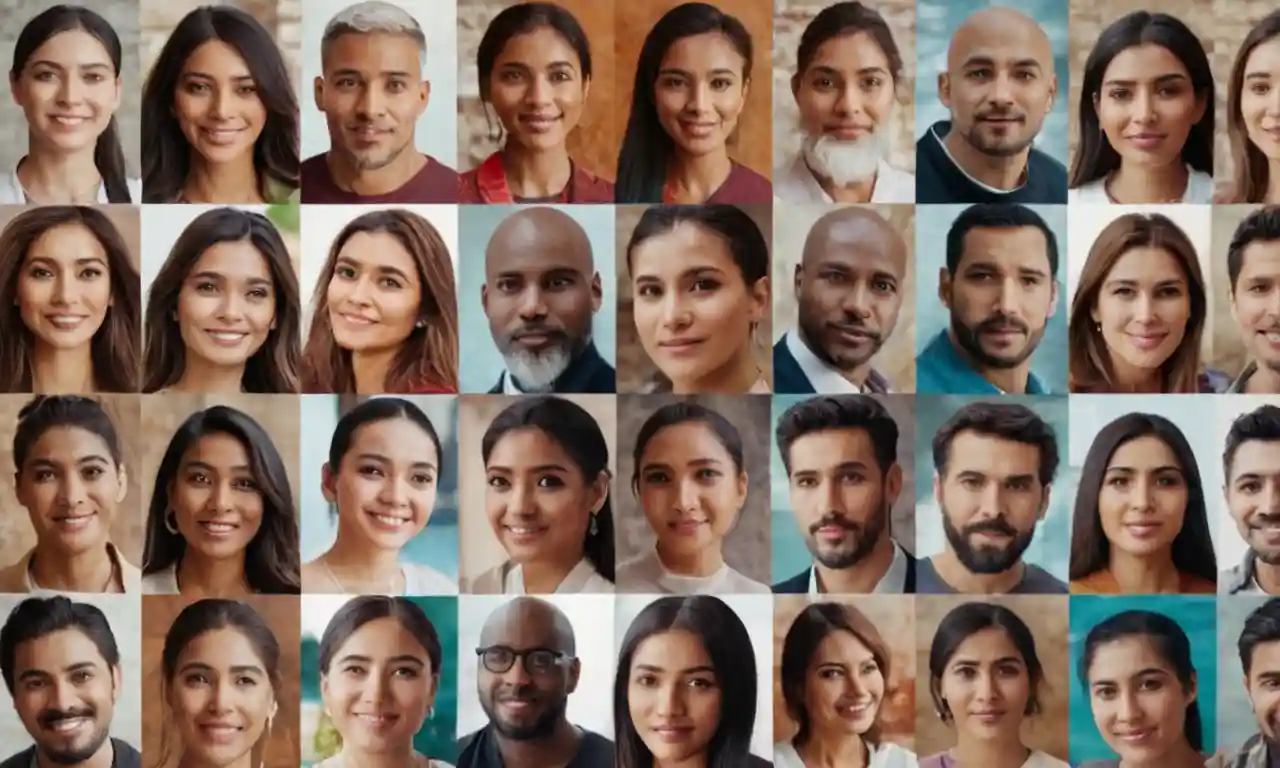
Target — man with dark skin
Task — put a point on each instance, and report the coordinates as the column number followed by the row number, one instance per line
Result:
column 527, row 670
column 541, row 293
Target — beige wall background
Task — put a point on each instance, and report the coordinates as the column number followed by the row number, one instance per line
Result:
column 125, row 218
column 1046, row 615
column 1227, row 31
column 479, row 550
column 282, row 18
column 1227, row 352
column 790, row 17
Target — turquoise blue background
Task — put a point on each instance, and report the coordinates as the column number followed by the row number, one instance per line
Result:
column 1238, row 722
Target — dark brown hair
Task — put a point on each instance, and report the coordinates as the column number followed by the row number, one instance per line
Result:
column 1250, row 165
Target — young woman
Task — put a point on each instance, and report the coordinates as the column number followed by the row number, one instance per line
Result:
column 547, row 488
column 384, row 463
column 690, row 89
column 685, row 689
column 1253, row 116
column 1139, row 311
column 1146, row 116
column 380, row 662
column 700, row 289
column 223, row 311
column 1137, row 671
column 690, row 479
column 72, row 302
column 534, row 63
column 835, row 678
column 65, row 76
column 222, row 522
column 984, row 679
column 220, row 667
column 219, row 114
column 69, row 474
column 385, row 315
column 1140, row 524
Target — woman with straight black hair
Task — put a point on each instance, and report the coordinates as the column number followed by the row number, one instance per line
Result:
column 1145, row 116
column 1253, row 118
column 221, row 521
column 685, row 689
column 691, row 85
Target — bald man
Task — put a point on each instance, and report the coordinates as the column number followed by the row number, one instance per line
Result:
column 848, row 288
column 999, row 87
column 541, row 292
column 527, row 668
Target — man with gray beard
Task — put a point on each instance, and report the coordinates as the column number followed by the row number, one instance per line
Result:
column 1251, row 466
column 541, row 293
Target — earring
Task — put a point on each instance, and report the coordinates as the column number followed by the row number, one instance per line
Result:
column 431, row 712
column 422, row 323
column 1097, row 327
column 594, row 527
column 171, row 522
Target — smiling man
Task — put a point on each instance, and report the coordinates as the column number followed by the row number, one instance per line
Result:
column 1251, row 466
column 1259, row 649
column 1253, row 269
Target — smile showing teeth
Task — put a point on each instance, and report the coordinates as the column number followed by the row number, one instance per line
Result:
column 227, row 338
column 388, row 520
column 377, row 719
column 66, row 322
column 73, row 523
column 70, row 724
column 60, row 120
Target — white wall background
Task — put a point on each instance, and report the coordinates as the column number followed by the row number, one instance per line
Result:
column 161, row 227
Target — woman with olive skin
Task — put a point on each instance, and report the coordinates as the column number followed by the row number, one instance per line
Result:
column 1253, row 116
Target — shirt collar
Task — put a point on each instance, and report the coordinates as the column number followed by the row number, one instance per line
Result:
column 960, row 376
column 894, row 580
column 942, row 145
column 1244, row 575
column 121, row 571
column 799, row 184
column 1242, row 381
column 822, row 376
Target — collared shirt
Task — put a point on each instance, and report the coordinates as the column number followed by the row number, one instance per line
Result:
column 123, row 755
column 1253, row 754
column 827, row 380
column 646, row 575
column 795, row 183
column 940, row 370
column 1241, row 579
column 1241, row 385
column 893, row 582
column 16, row 578
column 1199, row 190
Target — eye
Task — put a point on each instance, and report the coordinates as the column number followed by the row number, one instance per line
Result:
column 92, row 473
column 656, row 477
column 704, row 284
column 90, row 273
column 40, row 273
column 423, row 478
column 499, row 483
column 43, row 475
column 390, row 282
column 397, row 86
column 259, row 294
column 550, row 481
column 345, row 272
column 206, row 286
column 371, row 471
column 247, row 90
column 353, row 670
column 649, row 291
column 245, row 484
column 81, row 676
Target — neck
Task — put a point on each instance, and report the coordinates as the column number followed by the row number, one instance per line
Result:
column 84, row 571
column 857, row 192
column 1137, row 575
column 861, row 577
column 536, row 174
column 704, row 562
column 1267, row 576
column 1263, row 381
column 692, row 761
column 1132, row 379
column 200, row 375
column 693, row 179
column 62, row 371
column 200, row 576
column 371, row 369
column 399, row 756
column 1004, row 750
column 1272, row 196
column 190, row 760
column 543, row 577
column 1012, row 381
column 366, row 182
column 1180, row 755
column 54, row 177
column 223, row 183
column 833, row 750
column 964, row 581
column 735, row 377
column 552, row 751
column 1162, row 184
column 999, row 172
column 358, row 564
column 103, row 758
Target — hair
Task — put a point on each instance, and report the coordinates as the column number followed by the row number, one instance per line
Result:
column 1089, row 362
column 1096, row 158
column 429, row 356
column 840, row 412
column 35, row 617
column 1262, row 626
column 167, row 161
column 746, row 243
column 967, row 620
column 108, row 155
column 848, row 18
column 810, row 628
column 1005, row 421
column 1261, row 424
column 1252, row 175
column 369, row 18
column 1168, row 640
column 114, row 348
column 578, row 434
column 728, row 645
column 274, row 367
column 358, row 611
column 646, row 147
column 1261, row 225
column 685, row 412
column 997, row 216
column 372, row 411
column 45, row 412
column 271, row 557
column 1090, row 548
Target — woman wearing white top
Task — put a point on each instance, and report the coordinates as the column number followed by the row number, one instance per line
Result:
column 691, row 481
column 547, row 484
column 385, row 459
column 1145, row 116
column 65, row 76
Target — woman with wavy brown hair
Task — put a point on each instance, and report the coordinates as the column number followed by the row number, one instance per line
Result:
column 71, row 299
column 1138, row 314
column 1253, row 121
column 385, row 311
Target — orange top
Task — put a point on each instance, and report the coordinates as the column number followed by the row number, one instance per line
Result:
column 1104, row 583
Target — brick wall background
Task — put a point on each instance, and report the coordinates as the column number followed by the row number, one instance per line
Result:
column 282, row 18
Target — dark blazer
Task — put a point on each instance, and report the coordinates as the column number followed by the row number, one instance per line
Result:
column 789, row 378
column 799, row 584
column 587, row 373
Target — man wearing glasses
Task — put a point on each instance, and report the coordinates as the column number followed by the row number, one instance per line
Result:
column 527, row 667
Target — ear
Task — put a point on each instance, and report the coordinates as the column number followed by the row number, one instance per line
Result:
column 424, row 96
column 1193, row 690
column 760, row 300
column 13, row 90
column 597, row 292
column 1044, row 503
column 1053, row 93
column 893, row 483
column 329, row 484
column 317, row 91
column 324, row 686
column 1053, row 298
column 746, row 91
column 795, row 86
column 117, row 682
column 600, row 490
column 115, row 97
column 586, row 88
column 744, row 483
column 797, row 280
column 944, row 89
column 123, row 490
column 1202, row 103
column 433, row 689
column 1231, row 303
column 944, row 287
column 937, row 488
column 575, row 672
column 19, row 490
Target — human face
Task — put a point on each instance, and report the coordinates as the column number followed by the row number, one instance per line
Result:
column 1144, row 307
column 71, row 487
column 1255, row 301
column 221, row 697
column 379, row 687
column 991, row 498
column 1262, row 683
column 1260, row 98
column 68, row 91
column 529, row 699
column 1253, row 497
column 986, row 685
column 1139, row 705
column 215, row 497
column 692, row 308
column 673, row 696
column 65, row 694
column 372, row 95
column 386, row 486
column 1001, row 296
column 689, row 488
column 537, row 89
column 64, row 289
column 217, row 104
column 1143, row 499
column 700, row 92
column 843, row 686
column 227, row 304
column 374, row 295
column 1147, row 106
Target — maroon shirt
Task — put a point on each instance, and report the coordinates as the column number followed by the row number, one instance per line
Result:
column 743, row 187
column 435, row 183
column 488, row 184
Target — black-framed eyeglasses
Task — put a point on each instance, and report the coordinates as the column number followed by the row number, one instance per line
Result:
column 499, row 659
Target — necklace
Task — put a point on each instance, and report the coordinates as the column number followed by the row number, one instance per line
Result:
column 338, row 582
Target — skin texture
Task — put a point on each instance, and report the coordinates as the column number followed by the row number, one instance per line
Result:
column 375, row 295
column 71, row 489
column 64, row 289
column 674, row 697
column 69, row 76
column 217, row 105
column 700, row 93
column 1144, row 307
column 1255, row 306
column 226, row 306
column 537, row 90
column 844, row 688
column 215, row 498
column 1143, row 499
column 1258, row 99
column 1138, row 703
column 985, row 686
column 524, row 706
column 1147, row 92
column 1253, row 497
column 1260, row 684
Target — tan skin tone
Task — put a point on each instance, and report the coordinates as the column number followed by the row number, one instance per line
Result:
column 986, row 687
column 1139, row 705
column 1255, row 306
column 1143, row 505
column 674, row 699
column 1253, row 498
column 844, row 689
column 1260, row 109
column 1262, row 683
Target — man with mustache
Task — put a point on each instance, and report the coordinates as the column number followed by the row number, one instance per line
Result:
column 372, row 93
column 841, row 457
column 62, row 668
column 1000, row 285
column 1253, row 266
column 1251, row 467
column 1259, row 648
column 999, row 86
column 994, row 465
column 541, row 292
column 848, row 286
column 527, row 670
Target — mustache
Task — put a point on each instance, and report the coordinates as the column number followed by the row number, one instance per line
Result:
column 1000, row 112
column 1267, row 518
column 51, row 717
column 527, row 329
column 998, row 525
column 835, row 520
column 855, row 325
column 1002, row 323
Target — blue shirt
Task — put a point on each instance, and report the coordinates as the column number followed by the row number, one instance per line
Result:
column 940, row 370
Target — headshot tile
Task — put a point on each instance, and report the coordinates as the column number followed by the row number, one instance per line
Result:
column 1244, row 310
column 1248, row 643
column 1245, row 45
column 1247, row 539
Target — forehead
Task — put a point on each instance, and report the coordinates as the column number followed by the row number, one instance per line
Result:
column 235, row 259
column 1140, row 452
column 842, row 645
column 221, row 648
column 56, row 651
column 1265, row 658
column 373, row 53
column 992, row 455
column 687, row 441
column 1125, row 657
column 683, row 247
column 1265, row 59
column 382, row 637
column 860, row 243
column 529, row 446
column 1004, row 39
column 543, row 45
column 850, row 52
column 672, row 649
column 68, row 443
column 521, row 627
column 1146, row 264
column 72, row 47
column 986, row 644
column 379, row 250
column 397, row 438
column 1261, row 457
column 831, row 447
column 218, row 448
column 215, row 57
column 1143, row 62
column 67, row 242
column 703, row 53
column 1260, row 256
column 533, row 246
column 1007, row 248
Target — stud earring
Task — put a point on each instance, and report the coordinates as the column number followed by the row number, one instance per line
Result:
column 171, row 522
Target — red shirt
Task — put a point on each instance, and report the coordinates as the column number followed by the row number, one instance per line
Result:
column 435, row 183
column 488, row 184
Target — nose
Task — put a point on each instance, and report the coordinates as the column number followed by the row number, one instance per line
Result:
column 1144, row 308
column 220, row 700
column 64, row 290
column 517, row 676
column 70, row 90
column 671, row 700
column 1127, row 709
column 1002, row 89
column 850, row 100
column 375, row 688
column 1007, row 298
column 221, row 500
column 674, row 312
column 395, row 491
column 1143, row 108
column 857, row 300
column 533, row 304
column 371, row 101
column 522, row 499
column 832, row 501
column 989, row 504
column 539, row 90
column 986, row 689
column 1270, row 501
column 72, row 490
column 1140, row 495
column 362, row 291
column 220, row 107
column 700, row 99
column 230, row 307
column 689, row 495
column 65, row 697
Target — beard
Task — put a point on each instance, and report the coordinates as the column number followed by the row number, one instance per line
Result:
column 970, row 340
column 846, row 162
column 986, row 560
column 864, row 538
column 541, row 727
column 537, row 371
column 77, row 754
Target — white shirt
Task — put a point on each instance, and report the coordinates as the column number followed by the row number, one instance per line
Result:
column 509, row 385
column 646, row 575
column 583, row 578
column 12, row 193
column 1199, row 190
column 885, row 755
column 161, row 582
column 795, row 183
column 893, row 582
column 822, row 377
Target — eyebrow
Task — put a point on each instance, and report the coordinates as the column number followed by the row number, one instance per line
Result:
column 1130, row 283
column 987, row 61
column 976, row 662
column 704, row 269
column 686, row 671
column 686, row 73
column 1139, row 673
column 976, row 475
column 552, row 65
column 56, row 65
column 92, row 458
column 29, row 673
column 210, row 468
column 1258, row 75
column 404, row 657
column 1158, row 80
column 236, row 669
column 1030, row 271
column 823, row 69
column 538, row 468
column 693, row 463
column 384, row 460
column 542, row 271
column 207, row 76
column 1162, row 468
column 383, row 268
column 840, row 466
column 219, row 276
column 358, row 73
column 78, row 262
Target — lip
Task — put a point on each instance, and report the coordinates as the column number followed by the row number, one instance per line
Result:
column 389, row 523
column 848, row 132
column 854, row 712
column 66, row 322
column 681, row 346
column 1142, row 530
column 672, row 733
column 1271, row 337
column 1146, row 140
column 218, row 529
column 220, row 733
column 987, row 717
column 534, row 339
column 697, row 130
column 359, row 321
column 1000, row 120
column 1274, row 133
column 1136, row 737
column 992, row 535
column 225, row 338
column 222, row 137
column 833, row 532
column 70, row 122
column 74, row 523
column 1147, row 341
column 540, row 123
column 523, row 534
column 69, row 725
column 686, row 527
column 376, row 722
column 851, row 334
column 368, row 133
column 519, row 705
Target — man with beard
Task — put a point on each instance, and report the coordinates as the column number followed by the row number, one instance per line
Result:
column 1000, row 286
column 841, row 457
column 1259, row 648
column 527, row 669
column 848, row 73
column 848, row 287
column 540, row 294
column 999, row 86
column 62, row 668
column 1251, row 466
column 1253, row 266
column 994, row 464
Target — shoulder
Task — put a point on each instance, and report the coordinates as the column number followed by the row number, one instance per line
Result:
column 13, row 576
column 749, row 180
column 1198, row 585
column 744, row 584
column 1199, row 188
column 755, row 761
column 316, row 579
column 795, row 585
column 20, row 759
column 590, row 188
column 162, row 582
column 1040, row 759
column 895, row 185
column 890, row 755
column 1046, row 163
column 1089, row 192
column 314, row 164
column 469, row 187
column 489, row 582
column 438, row 171
column 1213, row 381
column 1041, row 581
column 425, row 580
column 11, row 190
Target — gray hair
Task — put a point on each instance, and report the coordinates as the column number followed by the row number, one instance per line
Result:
column 373, row 17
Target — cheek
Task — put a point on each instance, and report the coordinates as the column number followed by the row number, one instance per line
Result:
column 814, row 107
column 401, row 309
column 729, row 103
column 255, row 112
column 1172, row 503
column 352, row 493
column 188, row 108
column 705, row 710
column 1015, row 691
column 336, row 291
column 260, row 316
column 194, row 308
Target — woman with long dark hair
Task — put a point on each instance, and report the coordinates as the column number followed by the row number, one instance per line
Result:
column 1253, row 119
